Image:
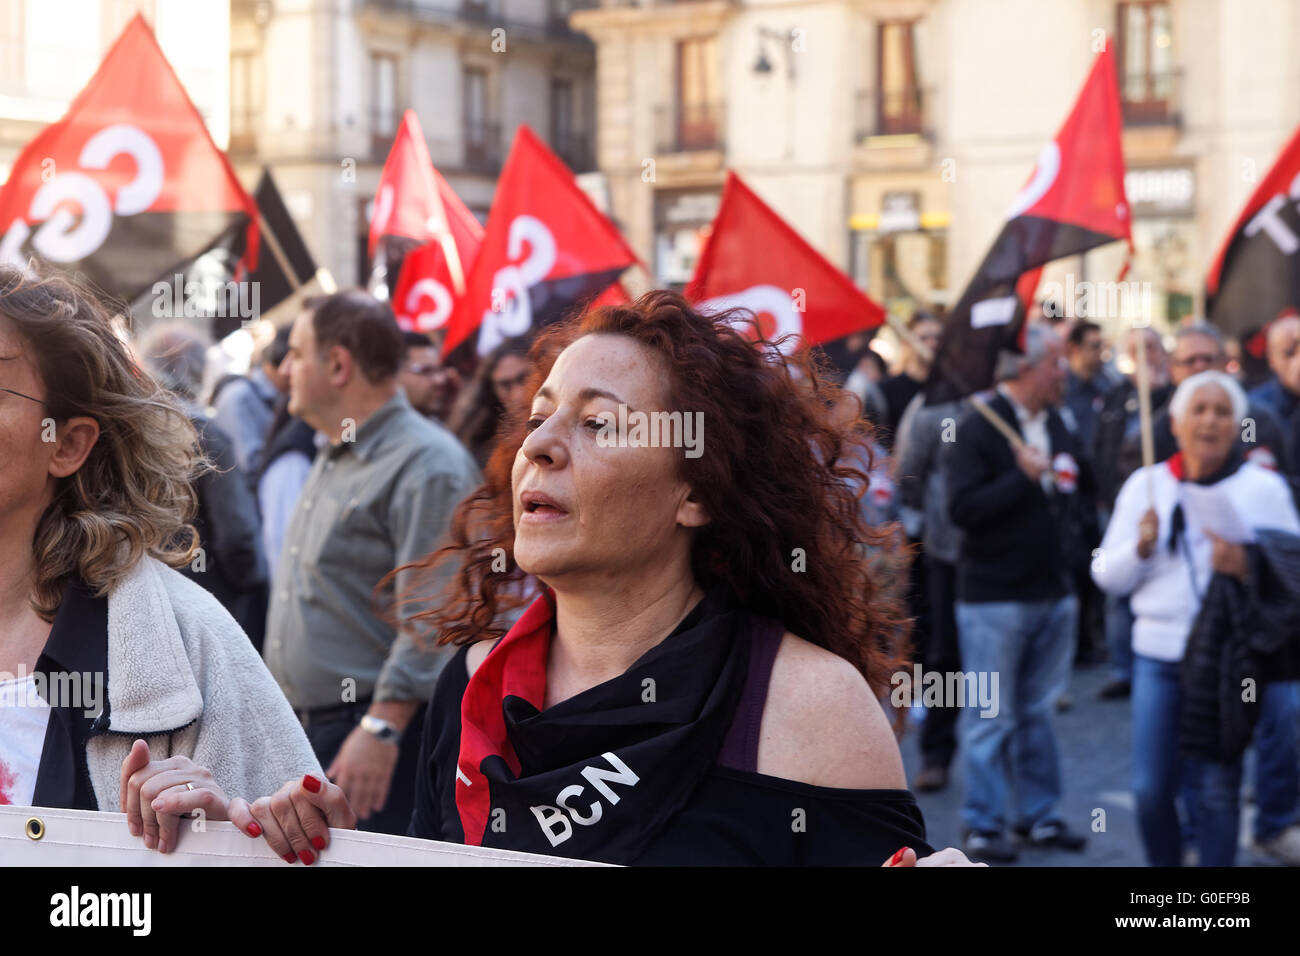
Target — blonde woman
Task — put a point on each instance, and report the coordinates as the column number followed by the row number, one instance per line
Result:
column 123, row 685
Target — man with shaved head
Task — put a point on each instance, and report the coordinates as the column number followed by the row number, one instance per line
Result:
column 1281, row 393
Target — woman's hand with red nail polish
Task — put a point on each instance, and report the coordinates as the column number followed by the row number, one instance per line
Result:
column 903, row 856
column 296, row 819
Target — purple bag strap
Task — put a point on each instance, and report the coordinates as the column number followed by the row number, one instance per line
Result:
column 740, row 747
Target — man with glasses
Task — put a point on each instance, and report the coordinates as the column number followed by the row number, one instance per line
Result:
column 430, row 387
column 1199, row 347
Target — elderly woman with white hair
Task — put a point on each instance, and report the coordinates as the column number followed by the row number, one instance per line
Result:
column 1158, row 551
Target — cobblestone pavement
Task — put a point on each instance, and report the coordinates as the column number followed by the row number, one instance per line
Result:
column 1096, row 759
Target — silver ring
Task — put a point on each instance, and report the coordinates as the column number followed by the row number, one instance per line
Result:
column 188, row 785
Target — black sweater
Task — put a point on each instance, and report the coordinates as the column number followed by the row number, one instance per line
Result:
column 1019, row 543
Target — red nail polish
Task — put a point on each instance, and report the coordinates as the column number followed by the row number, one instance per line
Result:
column 310, row 783
column 893, row 860
column 318, row 842
column 254, row 830
column 307, row 857
column 290, row 858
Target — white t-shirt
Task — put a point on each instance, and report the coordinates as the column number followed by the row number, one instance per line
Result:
column 24, row 716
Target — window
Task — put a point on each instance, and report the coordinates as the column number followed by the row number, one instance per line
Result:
column 1146, row 58
column 480, row 132
column 243, row 102
column 699, row 96
column 898, row 88
column 475, row 106
column 561, row 111
column 383, row 86
column 569, row 142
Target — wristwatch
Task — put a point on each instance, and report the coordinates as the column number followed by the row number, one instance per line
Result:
column 381, row 729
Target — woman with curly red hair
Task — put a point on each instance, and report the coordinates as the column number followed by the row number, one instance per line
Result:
column 699, row 682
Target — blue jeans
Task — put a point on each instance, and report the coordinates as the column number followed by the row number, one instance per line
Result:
column 1119, row 636
column 1029, row 647
column 1277, row 773
column 1160, row 774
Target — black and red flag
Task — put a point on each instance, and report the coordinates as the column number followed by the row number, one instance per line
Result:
column 1256, row 276
column 754, row 260
column 128, row 185
column 218, row 285
column 547, row 250
column 1073, row 202
column 418, row 216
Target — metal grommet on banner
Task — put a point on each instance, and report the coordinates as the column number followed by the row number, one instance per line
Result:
column 34, row 828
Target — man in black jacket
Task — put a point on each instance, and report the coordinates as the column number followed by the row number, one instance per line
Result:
column 1021, row 511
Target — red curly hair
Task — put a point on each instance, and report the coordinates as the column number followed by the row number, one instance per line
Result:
column 769, row 483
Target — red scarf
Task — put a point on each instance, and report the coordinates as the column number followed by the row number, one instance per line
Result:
column 516, row 666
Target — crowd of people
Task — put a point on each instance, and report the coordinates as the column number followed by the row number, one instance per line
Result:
column 353, row 588
column 1062, row 548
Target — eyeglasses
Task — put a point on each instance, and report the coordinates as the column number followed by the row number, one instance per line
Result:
column 21, row 395
column 427, row 370
column 1191, row 360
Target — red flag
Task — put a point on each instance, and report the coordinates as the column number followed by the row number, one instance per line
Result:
column 128, row 185
column 414, row 204
column 413, row 200
column 1074, row 201
column 754, row 260
column 425, row 297
column 547, row 249
column 1256, row 275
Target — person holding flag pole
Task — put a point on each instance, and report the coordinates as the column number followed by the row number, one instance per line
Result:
column 1021, row 502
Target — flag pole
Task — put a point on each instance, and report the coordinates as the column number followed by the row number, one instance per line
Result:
column 278, row 251
column 1144, row 408
column 981, row 406
column 445, row 239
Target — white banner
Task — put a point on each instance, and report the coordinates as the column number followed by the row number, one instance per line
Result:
column 36, row 836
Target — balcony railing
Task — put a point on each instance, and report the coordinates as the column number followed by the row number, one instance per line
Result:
column 575, row 150
column 894, row 112
column 557, row 14
column 1152, row 98
column 689, row 127
column 541, row 27
column 483, row 148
